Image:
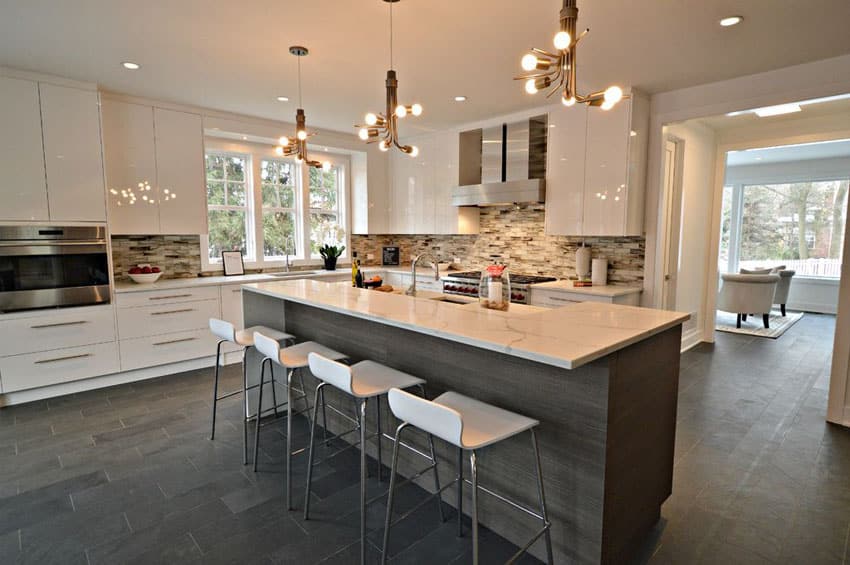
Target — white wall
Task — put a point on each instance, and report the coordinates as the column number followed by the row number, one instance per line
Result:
column 697, row 174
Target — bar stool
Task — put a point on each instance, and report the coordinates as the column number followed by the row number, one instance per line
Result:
column 292, row 359
column 362, row 381
column 227, row 333
column 469, row 425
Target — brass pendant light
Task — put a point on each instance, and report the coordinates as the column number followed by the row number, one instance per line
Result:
column 546, row 68
column 383, row 128
column 297, row 145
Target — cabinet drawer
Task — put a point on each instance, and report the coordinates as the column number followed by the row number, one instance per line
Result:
column 158, row 350
column 20, row 372
column 57, row 330
column 555, row 298
column 166, row 318
column 158, row 297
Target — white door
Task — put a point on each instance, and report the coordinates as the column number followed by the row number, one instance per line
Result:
column 23, row 189
column 672, row 221
column 72, row 151
column 130, row 159
column 180, row 172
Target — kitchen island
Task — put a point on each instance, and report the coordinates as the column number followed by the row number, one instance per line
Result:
column 601, row 378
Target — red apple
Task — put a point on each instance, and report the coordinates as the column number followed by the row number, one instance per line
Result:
column 146, row 270
column 155, row 270
column 135, row 271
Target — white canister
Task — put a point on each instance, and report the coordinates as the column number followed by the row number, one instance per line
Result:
column 583, row 262
column 599, row 272
column 494, row 291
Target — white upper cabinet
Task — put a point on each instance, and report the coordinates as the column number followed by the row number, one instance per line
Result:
column 595, row 177
column 23, row 190
column 180, row 172
column 72, row 151
column 565, row 170
column 130, row 157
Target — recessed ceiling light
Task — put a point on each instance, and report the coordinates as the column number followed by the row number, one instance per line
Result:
column 777, row 110
column 131, row 65
column 460, row 98
column 282, row 99
column 731, row 21
column 244, row 138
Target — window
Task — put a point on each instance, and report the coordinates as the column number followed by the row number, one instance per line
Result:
column 325, row 224
column 227, row 205
column 271, row 207
column 797, row 224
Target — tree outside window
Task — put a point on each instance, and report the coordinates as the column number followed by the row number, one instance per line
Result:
column 227, row 204
column 325, row 225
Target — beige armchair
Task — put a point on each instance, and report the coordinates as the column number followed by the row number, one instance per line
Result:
column 782, row 288
column 748, row 294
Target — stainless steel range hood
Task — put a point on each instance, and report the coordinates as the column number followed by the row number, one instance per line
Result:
column 505, row 164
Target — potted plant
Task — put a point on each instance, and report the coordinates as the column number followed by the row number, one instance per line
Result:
column 330, row 253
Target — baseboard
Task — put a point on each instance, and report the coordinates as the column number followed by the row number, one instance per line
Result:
column 691, row 339
column 52, row 391
column 814, row 307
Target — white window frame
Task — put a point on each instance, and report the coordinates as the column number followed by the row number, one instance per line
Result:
column 258, row 152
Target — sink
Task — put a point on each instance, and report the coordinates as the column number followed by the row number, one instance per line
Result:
column 452, row 300
column 294, row 274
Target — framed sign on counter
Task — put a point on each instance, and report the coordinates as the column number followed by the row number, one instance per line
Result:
column 233, row 263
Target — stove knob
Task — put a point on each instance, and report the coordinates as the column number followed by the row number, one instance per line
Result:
column 514, row 296
column 471, row 290
column 520, row 297
column 450, row 287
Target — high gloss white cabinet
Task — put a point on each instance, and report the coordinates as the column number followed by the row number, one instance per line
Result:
column 596, row 169
column 23, row 190
column 72, row 151
column 420, row 189
column 154, row 170
column 130, row 158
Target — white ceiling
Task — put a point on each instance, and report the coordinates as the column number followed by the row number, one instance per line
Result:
column 804, row 152
column 232, row 55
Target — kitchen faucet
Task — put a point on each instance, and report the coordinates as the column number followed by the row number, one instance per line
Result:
column 411, row 290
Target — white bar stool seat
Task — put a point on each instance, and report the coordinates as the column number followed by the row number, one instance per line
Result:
column 469, row 425
column 292, row 358
column 227, row 333
column 363, row 381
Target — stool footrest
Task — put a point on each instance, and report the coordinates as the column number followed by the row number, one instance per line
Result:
column 528, row 544
column 228, row 395
column 505, row 500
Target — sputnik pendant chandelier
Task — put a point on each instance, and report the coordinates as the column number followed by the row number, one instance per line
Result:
column 297, row 145
column 383, row 128
column 545, row 68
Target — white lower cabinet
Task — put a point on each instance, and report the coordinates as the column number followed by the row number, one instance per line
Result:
column 557, row 298
column 231, row 311
column 33, row 370
column 144, row 352
column 166, row 318
column 68, row 328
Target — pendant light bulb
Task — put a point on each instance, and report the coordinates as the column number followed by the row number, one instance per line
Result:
column 400, row 111
column 529, row 62
column 568, row 101
column 298, row 159
column 278, row 150
column 384, row 146
column 363, row 134
column 530, row 87
column 326, row 166
column 302, row 134
column 416, row 109
column 371, row 120
column 613, row 94
column 284, row 141
column 562, row 40
column 414, row 151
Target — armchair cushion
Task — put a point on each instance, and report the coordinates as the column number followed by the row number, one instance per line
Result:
column 747, row 294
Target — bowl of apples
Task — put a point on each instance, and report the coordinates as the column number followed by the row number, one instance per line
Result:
column 144, row 274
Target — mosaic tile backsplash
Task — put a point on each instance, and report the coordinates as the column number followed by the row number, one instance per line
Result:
column 516, row 237
column 178, row 256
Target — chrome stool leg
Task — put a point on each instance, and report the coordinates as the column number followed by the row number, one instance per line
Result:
column 474, row 472
column 380, row 436
column 363, row 477
column 390, row 494
column 542, row 497
column 289, row 373
column 436, row 478
column 245, row 411
column 319, row 392
column 460, row 492
column 260, row 409
column 215, row 387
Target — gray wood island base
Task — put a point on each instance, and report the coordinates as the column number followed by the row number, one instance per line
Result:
column 607, row 423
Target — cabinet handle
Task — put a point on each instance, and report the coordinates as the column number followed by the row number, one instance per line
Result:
column 237, row 290
column 174, row 341
column 170, row 296
column 68, row 358
column 172, row 312
column 58, row 324
column 558, row 299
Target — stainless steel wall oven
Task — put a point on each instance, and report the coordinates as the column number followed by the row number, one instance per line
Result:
column 49, row 267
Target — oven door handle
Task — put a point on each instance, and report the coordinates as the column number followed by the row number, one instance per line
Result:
column 54, row 248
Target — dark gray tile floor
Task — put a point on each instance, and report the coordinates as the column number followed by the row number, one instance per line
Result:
column 128, row 475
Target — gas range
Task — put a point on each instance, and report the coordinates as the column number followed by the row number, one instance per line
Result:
column 466, row 283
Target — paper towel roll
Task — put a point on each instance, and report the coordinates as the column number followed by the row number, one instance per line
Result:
column 599, row 272
column 583, row 262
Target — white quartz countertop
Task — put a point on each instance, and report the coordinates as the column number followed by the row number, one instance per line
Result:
column 608, row 290
column 169, row 284
column 566, row 337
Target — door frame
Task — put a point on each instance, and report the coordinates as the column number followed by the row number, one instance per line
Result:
column 672, row 220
